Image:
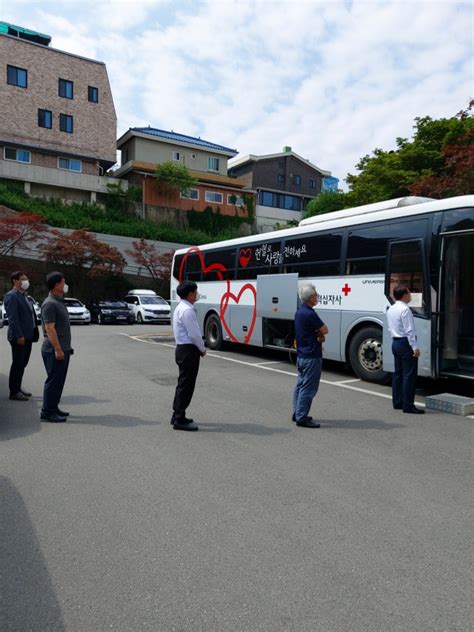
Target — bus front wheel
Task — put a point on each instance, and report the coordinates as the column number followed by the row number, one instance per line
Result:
column 213, row 332
column 365, row 355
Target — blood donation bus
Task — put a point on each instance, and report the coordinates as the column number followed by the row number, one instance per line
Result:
column 354, row 257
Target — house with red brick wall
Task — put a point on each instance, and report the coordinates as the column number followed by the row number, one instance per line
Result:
column 57, row 118
column 143, row 148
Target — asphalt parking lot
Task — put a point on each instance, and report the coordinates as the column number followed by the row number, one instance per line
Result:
column 115, row 521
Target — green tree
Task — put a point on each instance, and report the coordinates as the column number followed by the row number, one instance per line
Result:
column 171, row 176
column 325, row 202
column 391, row 174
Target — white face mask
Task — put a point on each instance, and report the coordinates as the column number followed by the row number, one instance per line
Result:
column 198, row 296
column 66, row 288
column 25, row 284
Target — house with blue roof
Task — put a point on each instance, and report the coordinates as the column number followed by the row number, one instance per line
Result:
column 143, row 148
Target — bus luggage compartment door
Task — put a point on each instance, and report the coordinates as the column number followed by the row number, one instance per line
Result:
column 277, row 296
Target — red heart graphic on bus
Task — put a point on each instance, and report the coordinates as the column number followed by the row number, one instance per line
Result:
column 214, row 266
column 225, row 302
column 245, row 254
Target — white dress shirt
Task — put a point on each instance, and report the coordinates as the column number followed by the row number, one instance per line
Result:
column 186, row 327
column 401, row 323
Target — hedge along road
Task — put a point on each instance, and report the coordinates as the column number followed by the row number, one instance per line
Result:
column 250, row 524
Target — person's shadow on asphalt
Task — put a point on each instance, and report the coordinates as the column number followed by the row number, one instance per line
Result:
column 111, row 421
column 246, row 428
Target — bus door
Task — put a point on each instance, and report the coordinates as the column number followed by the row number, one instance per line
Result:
column 406, row 265
column 456, row 305
column 277, row 302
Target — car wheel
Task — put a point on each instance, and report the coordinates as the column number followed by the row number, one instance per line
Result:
column 139, row 319
column 213, row 332
column 366, row 355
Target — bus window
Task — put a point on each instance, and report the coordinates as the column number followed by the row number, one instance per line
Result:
column 177, row 265
column 260, row 258
column 405, row 267
column 192, row 268
column 225, row 258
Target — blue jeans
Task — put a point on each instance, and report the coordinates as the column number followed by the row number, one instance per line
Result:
column 53, row 387
column 307, row 384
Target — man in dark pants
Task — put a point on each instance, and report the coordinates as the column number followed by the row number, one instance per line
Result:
column 189, row 350
column 22, row 328
column 401, row 326
column 56, row 349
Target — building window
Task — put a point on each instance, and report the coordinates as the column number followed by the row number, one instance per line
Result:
column 193, row 156
column 297, row 180
column 71, row 164
column 214, row 196
column 281, row 164
column 45, row 119
column 212, row 163
column 19, row 155
column 66, row 89
column 176, row 155
column 93, row 94
column 124, row 156
column 281, row 177
column 235, row 200
column 190, row 194
column 17, row 76
column 312, row 184
column 66, row 123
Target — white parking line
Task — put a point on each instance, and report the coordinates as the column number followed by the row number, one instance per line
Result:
column 348, row 381
column 263, row 366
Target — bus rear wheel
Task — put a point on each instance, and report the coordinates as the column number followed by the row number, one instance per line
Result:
column 213, row 332
column 366, row 355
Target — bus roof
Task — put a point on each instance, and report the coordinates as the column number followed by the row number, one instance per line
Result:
column 390, row 209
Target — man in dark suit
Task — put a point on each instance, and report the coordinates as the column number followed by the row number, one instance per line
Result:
column 22, row 330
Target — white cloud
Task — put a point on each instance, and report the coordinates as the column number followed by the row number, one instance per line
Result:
column 332, row 79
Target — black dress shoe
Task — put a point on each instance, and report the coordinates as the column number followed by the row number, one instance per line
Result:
column 181, row 421
column 61, row 413
column 19, row 397
column 293, row 418
column 53, row 418
column 308, row 423
column 415, row 411
column 25, row 393
column 185, row 425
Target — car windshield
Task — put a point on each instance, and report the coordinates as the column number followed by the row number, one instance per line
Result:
column 72, row 302
column 113, row 304
column 153, row 300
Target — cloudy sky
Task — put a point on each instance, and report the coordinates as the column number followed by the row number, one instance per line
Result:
column 331, row 79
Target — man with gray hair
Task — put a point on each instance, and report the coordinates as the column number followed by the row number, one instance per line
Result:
column 310, row 333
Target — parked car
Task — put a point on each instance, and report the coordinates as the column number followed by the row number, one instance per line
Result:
column 78, row 312
column 148, row 306
column 36, row 307
column 111, row 312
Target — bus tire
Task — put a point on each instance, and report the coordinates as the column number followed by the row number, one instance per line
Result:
column 366, row 355
column 213, row 332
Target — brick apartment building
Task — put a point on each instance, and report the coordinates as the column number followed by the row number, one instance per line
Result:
column 143, row 148
column 57, row 118
column 284, row 183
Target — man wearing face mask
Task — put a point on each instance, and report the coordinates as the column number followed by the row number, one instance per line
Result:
column 22, row 328
column 189, row 350
column 56, row 349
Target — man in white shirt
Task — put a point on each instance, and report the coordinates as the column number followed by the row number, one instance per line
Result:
column 189, row 350
column 401, row 326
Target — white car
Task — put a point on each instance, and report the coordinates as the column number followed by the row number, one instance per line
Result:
column 148, row 307
column 78, row 312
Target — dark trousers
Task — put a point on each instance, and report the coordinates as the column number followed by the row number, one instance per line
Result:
column 20, row 358
column 404, row 378
column 187, row 358
column 53, row 387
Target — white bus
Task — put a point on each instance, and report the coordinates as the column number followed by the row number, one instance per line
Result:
column 354, row 257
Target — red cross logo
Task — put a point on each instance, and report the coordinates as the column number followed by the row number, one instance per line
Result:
column 346, row 289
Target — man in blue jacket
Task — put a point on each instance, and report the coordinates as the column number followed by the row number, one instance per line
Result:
column 21, row 331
